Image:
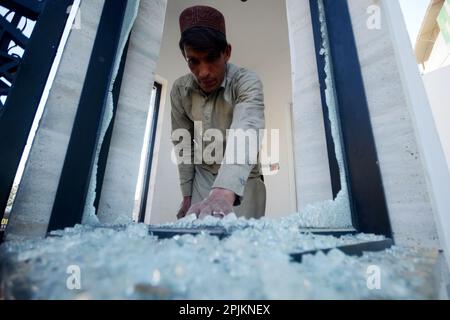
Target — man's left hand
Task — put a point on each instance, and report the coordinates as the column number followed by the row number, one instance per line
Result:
column 218, row 204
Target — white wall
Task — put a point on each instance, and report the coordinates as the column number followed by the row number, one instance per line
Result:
column 437, row 87
column 440, row 56
column 251, row 49
column 385, row 55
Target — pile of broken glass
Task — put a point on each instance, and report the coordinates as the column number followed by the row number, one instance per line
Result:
column 253, row 262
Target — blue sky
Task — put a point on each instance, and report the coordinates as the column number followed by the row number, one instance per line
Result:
column 414, row 12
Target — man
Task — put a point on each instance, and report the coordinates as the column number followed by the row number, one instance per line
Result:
column 220, row 96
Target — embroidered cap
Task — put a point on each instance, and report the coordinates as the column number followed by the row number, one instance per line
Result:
column 202, row 16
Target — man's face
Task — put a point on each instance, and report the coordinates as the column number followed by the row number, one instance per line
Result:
column 209, row 70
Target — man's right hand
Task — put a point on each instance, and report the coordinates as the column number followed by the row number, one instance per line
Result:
column 185, row 205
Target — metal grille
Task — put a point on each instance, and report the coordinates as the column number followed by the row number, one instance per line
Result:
column 30, row 34
column 17, row 21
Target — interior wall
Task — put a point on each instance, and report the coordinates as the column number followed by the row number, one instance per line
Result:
column 262, row 47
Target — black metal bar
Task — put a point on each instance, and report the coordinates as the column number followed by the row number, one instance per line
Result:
column 4, row 90
column 9, row 32
column 75, row 177
column 167, row 233
column 5, row 36
column 329, row 232
column 320, row 61
column 104, row 151
column 148, row 167
column 28, row 8
column 24, row 97
column 351, row 250
column 367, row 199
column 16, row 33
column 5, row 69
column 364, row 175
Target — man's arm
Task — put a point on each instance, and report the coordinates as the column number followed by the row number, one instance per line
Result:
column 180, row 121
column 248, row 115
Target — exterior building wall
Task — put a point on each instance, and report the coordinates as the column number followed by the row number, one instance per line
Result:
column 34, row 201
